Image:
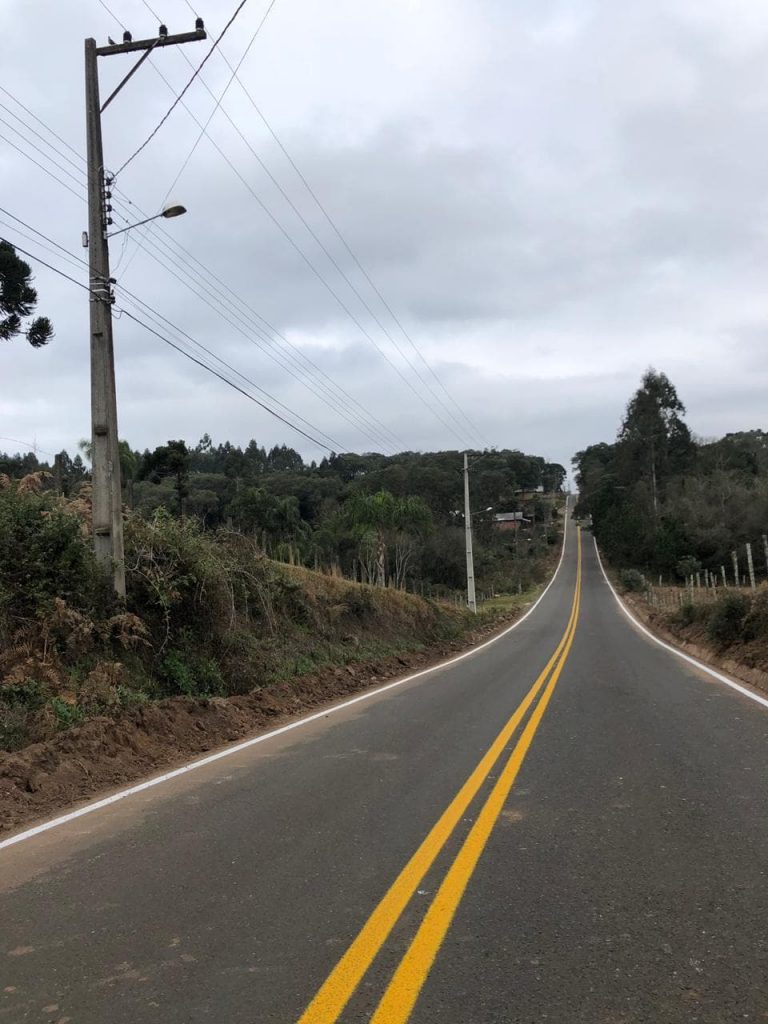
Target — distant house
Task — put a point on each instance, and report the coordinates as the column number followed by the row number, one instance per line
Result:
column 509, row 520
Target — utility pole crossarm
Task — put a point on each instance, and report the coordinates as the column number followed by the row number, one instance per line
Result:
column 149, row 44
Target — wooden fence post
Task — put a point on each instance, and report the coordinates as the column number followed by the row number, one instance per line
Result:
column 750, row 566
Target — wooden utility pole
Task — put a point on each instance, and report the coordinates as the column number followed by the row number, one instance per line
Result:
column 105, row 452
column 750, row 566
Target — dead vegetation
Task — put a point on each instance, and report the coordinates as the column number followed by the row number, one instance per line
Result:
column 207, row 616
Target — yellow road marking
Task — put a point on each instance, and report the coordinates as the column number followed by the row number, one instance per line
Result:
column 403, row 990
column 336, row 991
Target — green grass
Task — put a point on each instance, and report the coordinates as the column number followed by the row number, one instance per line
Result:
column 506, row 603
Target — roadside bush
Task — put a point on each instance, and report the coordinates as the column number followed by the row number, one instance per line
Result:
column 43, row 557
column 727, row 619
column 756, row 621
column 190, row 675
column 690, row 613
column 632, row 581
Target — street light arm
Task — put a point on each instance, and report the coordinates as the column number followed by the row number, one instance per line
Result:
column 169, row 211
column 136, row 225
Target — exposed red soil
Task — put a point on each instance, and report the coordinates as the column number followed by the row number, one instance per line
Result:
column 104, row 753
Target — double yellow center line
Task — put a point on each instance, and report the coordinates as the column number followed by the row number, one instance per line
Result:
column 403, row 990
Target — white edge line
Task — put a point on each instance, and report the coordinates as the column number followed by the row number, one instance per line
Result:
column 674, row 650
column 263, row 737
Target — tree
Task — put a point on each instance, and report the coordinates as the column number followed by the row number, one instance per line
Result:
column 553, row 477
column 170, row 459
column 383, row 521
column 653, row 438
column 18, row 300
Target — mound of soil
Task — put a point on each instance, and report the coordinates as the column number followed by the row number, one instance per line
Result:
column 106, row 752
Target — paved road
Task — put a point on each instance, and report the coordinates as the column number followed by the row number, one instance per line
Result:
column 569, row 825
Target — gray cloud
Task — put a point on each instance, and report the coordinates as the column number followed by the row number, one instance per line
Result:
column 552, row 196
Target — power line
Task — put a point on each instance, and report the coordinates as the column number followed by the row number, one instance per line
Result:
column 294, row 244
column 155, row 313
column 74, row 260
column 329, row 399
column 221, row 377
column 41, row 122
column 295, row 209
column 290, row 159
column 39, row 136
column 35, row 448
column 56, row 270
column 352, row 416
column 188, row 355
column 253, row 320
column 217, row 105
column 325, row 214
column 146, row 309
column 178, row 99
column 314, row 269
column 42, row 168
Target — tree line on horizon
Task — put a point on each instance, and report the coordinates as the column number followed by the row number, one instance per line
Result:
column 665, row 501
column 395, row 520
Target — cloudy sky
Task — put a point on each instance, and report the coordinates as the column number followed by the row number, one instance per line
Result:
column 550, row 195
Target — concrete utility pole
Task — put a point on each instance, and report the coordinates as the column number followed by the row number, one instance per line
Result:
column 105, row 453
column 471, row 602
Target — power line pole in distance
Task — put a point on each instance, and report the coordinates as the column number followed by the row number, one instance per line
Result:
column 105, row 453
column 471, row 602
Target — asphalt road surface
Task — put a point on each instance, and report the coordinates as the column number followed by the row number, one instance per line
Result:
column 568, row 825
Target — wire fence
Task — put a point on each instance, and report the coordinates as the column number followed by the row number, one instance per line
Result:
column 748, row 568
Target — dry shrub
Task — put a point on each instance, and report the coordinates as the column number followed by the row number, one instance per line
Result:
column 100, row 688
column 66, row 629
column 126, row 629
column 34, row 483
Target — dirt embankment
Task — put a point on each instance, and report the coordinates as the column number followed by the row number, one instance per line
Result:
column 106, row 752
column 747, row 662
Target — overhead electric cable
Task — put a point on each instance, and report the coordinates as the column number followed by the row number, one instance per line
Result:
column 315, row 271
column 26, row 444
column 56, row 270
column 194, row 359
column 235, row 75
column 155, row 313
column 372, row 428
column 294, row 244
column 42, row 168
column 178, row 99
column 226, row 381
column 343, row 403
